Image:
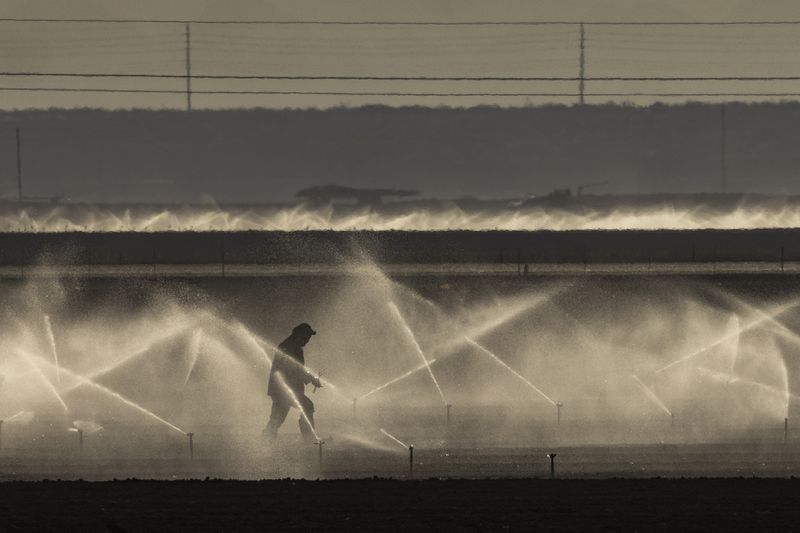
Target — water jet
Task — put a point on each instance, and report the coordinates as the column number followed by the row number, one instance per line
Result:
column 410, row 334
column 447, row 407
column 559, row 405
column 411, row 461
column 191, row 445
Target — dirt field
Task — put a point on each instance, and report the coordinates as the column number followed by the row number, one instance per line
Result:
column 374, row 505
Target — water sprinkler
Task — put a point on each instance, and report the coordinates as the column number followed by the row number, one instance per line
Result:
column 552, row 457
column 559, row 405
column 447, row 407
column 191, row 445
column 319, row 444
column 80, row 436
column 411, row 461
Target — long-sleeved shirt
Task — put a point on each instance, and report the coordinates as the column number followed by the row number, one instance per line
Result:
column 290, row 362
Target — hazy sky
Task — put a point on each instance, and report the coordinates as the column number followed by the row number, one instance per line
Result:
column 496, row 51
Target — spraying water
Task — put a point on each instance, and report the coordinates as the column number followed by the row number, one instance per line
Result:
column 652, row 395
column 264, row 346
column 52, row 340
column 194, row 353
column 780, row 328
column 113, row 394
column 726, row 378
column 365, row 442
column 398, row 441
column 421, row 367
column 485, row 329
column 96, row 374
column 782, row 309
column 259, row 345
column 413, row 217
column 297, row 403
column 21, row 418
column 502, row 363
column 497, row 320
column 25, row 356
column 417, row 348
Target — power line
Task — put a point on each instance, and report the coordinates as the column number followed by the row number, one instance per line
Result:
column 391, row 78
column 412, row 22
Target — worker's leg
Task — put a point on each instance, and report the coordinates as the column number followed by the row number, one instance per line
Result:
column 306, row 429
column 280, row 409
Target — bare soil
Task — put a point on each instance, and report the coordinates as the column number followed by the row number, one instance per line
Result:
column 380, row 504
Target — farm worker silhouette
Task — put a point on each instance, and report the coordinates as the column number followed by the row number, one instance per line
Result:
column 288, row 378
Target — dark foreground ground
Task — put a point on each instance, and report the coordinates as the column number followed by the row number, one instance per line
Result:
column 613, row 504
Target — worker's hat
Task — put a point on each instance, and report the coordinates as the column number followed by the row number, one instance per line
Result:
column 303, row 328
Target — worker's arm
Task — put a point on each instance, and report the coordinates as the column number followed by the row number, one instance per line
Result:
column 311, row 378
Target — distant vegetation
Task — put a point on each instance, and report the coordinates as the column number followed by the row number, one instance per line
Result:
column 267, row 155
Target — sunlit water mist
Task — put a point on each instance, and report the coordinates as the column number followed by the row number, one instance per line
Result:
column 296, row 401
column 84, row 217
column 185, row 362
column 417, row 348
column 194, row 353
column 48, row 328
column 395, row 439
column 651, row 395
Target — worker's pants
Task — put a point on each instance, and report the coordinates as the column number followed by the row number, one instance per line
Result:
column 280, row 409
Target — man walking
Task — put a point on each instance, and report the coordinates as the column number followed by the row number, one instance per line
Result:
column 287, row 380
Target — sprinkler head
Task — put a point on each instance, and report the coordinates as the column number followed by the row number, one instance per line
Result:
column 191, row 445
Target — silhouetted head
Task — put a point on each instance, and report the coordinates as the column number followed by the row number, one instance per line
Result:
column 302, row 333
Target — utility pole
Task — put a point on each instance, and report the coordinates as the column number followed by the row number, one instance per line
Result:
column 723, row 150
column 582, row 64
column 19, row 169
column 188, row 69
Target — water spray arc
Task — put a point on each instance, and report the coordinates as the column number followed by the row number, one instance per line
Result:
column 653, row 396
column 486, row 328
column 285, row 386
column 195, row 346
column 410, row 334
column 502, row 363
column 117, row 396
column 48, row 328
column 399, row 378
column 25, row 356
column 95, row 374
column 753, row 324
column 263, row 346
column 409, row 447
